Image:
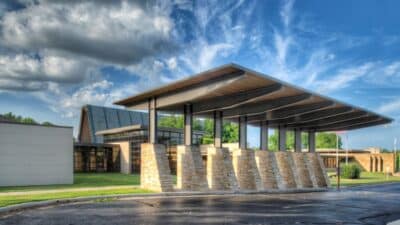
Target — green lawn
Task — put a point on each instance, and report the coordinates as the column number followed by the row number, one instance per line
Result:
column 85, row 180
column 366, row 178
column 81, row 180
column 17, row 199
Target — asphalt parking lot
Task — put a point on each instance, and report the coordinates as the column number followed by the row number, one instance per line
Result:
column 366, row 205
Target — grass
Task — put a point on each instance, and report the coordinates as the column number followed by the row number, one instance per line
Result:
column 366, row 178
column 81, row 180
column 17, row 199
column 85, row 180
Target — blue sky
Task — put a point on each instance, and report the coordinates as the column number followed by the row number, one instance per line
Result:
column 56, row 56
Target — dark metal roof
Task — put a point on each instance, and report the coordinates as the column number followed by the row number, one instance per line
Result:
column 239, row 91
column 104, row 118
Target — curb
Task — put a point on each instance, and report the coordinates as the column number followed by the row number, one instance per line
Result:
column 33, row 205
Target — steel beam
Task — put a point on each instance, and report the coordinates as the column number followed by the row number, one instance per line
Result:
column 282, row 138
column 188, row 122
column 330, row 120
column 262, row 107
column 297, row 140
column 234, row 100
column 242, row 132
column 192, row 93
column 264, row 135
column 152, row 132
column 311, row 141
column 297, row 110
column 362, row 120
column 312, row 116
column 356, row 126
column 218, row 129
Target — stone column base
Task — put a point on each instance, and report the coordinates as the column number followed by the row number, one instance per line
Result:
column 285, row 169
column 220, row 173
column 245, row 169
column 267, row 169
column 317, row 170
column 191, row 175
column 155, row 173
column 303, row 174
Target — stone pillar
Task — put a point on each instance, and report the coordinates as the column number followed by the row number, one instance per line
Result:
column 282, row 139
column 267, row 169
column 218, row 129
column 245, row 169
column 242, row 132
column 311, row 141
column 297, row 140
column 264, row 135
column 317, row 170
column 188, row 120
column 155, row 173
column 191, row 175
column 125, row 156
column 220, row 172
column 152, row 132
column 285, row 170
column 302, row 170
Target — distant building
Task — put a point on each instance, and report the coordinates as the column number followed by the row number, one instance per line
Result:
column 370, row 159
column 110, row 138
column 35, row 154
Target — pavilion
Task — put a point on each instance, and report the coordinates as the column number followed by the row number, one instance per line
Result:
column 233, row 92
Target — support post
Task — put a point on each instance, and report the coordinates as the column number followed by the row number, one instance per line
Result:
column 242, row 132
column 297, row 140
column 152, row 121
column 264, row 135
column 282, row 139
column 218, row 122
column 188, row 120
column 311, row 141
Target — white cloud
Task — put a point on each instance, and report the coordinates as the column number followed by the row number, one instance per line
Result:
column 343, row 78
column 286, row 12
column 390, row 107
column 122, row 32
column 24, row 72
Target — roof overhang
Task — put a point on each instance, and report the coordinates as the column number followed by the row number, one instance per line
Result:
column 238, row 91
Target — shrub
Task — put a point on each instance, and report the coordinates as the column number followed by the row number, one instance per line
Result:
column 350, row 171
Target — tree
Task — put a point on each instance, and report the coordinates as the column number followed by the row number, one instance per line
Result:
column 323, row 140
column 230, row 130
column 327, row 140
column 19, row 119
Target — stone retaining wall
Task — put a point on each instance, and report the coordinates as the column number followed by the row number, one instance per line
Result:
column 303, row 173
column 268, row 169
column 243, row 170
column 220, row 172
column 154, row 171
column 285, row 170
column 191, row 175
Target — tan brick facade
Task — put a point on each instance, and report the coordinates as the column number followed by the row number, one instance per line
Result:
column 370, row 162
column 191, row 175
column 317, row 170
column 155, row 173
column 285, row 169
column 220, row 172
column 235, row 170
column 245, row 169
column 268, row 170
column 302, row 171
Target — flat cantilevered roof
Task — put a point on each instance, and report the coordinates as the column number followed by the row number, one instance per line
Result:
column 239, row 91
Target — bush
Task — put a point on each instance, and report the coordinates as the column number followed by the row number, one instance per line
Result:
column 350, row 171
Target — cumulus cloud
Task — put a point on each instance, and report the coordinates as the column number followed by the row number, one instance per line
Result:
column 390, row 107
column 122, row 32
